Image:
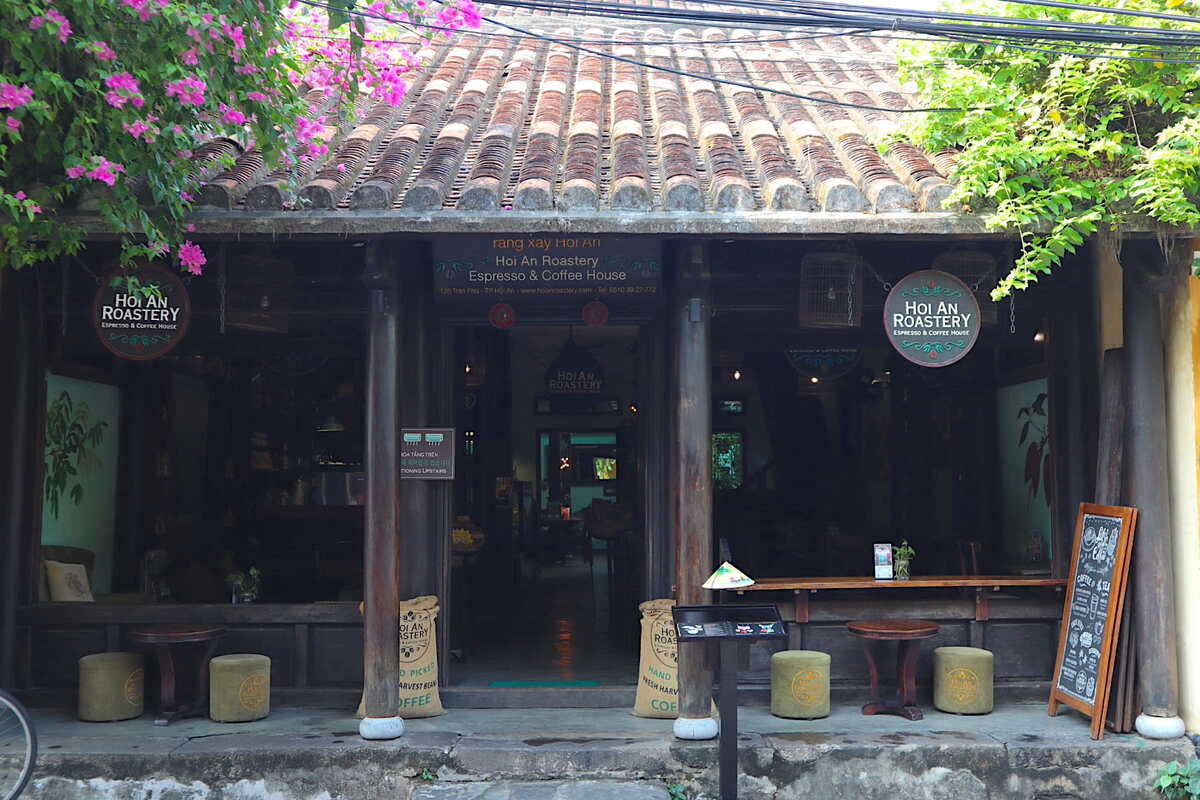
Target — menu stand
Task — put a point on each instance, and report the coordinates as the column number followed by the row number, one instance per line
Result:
column 733, row 627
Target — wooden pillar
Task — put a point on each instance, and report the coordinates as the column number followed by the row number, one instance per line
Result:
column 418, row 568
column 381, row 540
column 1147, row 489
column 19, row 362
column 692, row 478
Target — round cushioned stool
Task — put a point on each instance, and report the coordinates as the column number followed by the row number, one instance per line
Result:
column 962, row 680
column 800, row 684
column 111, row 686
column 239, row 687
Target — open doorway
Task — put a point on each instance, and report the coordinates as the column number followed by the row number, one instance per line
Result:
column 549, row 563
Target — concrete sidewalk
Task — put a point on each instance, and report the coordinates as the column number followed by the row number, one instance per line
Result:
column 1016, row 752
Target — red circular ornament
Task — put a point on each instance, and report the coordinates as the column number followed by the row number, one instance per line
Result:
column 502, row 316
column 595, row 313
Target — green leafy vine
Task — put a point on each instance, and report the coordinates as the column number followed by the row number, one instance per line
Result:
column 1055, row 147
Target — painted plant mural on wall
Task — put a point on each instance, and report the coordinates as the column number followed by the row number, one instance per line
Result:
column 1038, row 463
column 71, row 439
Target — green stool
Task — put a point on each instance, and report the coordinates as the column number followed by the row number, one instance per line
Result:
column 239, row 687
column 962, row 680
column 111, row 686
column 800, row 684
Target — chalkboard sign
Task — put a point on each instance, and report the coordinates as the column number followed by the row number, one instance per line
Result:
column 1092, row 613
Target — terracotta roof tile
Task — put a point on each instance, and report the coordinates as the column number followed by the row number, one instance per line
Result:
column 499, row 120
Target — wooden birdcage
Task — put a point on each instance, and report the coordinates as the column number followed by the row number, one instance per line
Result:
column 830, row 293
column 973, row 267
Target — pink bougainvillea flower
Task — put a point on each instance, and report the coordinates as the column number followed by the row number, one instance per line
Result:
column 123, row 88
column 191, row 227
column 190, row 57
column 13, row 123
column 76, row 172
column 192, row 257
column 189, row 91
column 35, row 209
column 12, row 96
column 187, row 197
column 61, row 23
column 143, row 8
column 257, row 97
column 20, row 195
column 231, row 115
column 102, row 51
column 105, row 171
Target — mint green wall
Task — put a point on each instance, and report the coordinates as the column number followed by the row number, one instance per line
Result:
column 92, row 523
column 1022, row 515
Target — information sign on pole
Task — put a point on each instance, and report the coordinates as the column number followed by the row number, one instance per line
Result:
column 427, row 454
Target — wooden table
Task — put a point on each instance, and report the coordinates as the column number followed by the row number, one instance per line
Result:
column 164, row 639
column 801, row 588
column 909, row 633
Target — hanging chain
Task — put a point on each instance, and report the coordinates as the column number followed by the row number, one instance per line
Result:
column 887, row 285
column 1012, row 312
column 850, row 296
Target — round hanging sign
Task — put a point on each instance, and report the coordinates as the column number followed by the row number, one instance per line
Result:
column 931, row 318
column 502, row 316
column 142, row 312
column 595, row 314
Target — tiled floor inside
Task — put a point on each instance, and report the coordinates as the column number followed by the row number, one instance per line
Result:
column 562, row 633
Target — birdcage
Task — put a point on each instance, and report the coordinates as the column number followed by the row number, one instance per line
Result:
column 830, row 293
column 977, row 269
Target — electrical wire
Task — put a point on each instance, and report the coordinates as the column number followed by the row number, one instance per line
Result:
column 993, row 36
column 710, row 78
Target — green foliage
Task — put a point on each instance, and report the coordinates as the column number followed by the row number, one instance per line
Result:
column 677, row 791
column 1178, row 782
column 71, row 438
column 903, row 552
column 1054, row 147
column 245, row 584
column 427, row 774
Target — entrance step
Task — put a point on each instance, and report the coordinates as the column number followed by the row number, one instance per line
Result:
column 543, row 790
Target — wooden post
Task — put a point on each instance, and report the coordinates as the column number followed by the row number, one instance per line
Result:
column 18, row 485
column 418, row 568
column 692, row 479
column 381, row 563
column 1148, row 490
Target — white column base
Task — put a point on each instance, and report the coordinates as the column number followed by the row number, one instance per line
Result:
column 695, row 729
column 1159, row 727
column 381, row 728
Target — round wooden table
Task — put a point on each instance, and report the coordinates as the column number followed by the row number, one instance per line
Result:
column 165, row 639
column 908, row 633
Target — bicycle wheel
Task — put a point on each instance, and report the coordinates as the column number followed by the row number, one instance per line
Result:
column 18, row 747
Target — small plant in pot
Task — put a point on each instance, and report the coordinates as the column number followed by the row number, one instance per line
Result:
column 902, row 554
column 244, row 585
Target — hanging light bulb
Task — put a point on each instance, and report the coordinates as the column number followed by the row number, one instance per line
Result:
column 737, row 374
column 1039, row 337
column 814, row 379
column 467, row 369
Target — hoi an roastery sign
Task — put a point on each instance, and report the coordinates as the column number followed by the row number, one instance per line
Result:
column 547, row 271
column 141, row 313
column 931, row 318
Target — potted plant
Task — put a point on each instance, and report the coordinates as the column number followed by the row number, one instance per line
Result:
column 244, row 585
column 902, row 554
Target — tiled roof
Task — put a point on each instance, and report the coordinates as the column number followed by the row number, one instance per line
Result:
column 505, row 120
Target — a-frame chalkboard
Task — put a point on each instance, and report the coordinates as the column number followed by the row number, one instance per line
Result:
column 1087, row 642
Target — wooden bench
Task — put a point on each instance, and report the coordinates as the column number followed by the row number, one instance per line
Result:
column 801, row 588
